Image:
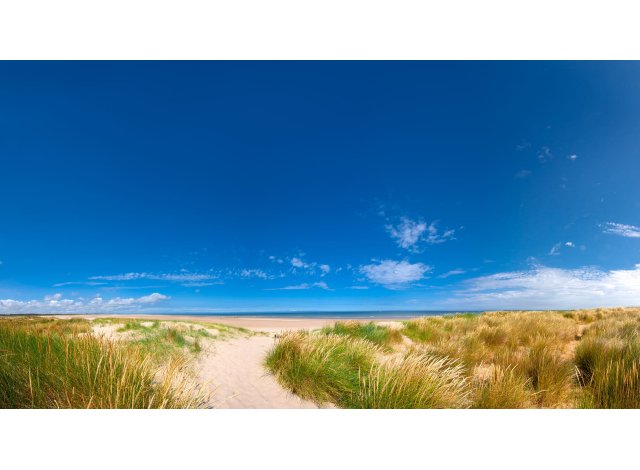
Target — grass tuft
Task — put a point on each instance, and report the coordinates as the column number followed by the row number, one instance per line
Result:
column 377, row 334
column 346, row 371
column 519, row 359
column 44, row 369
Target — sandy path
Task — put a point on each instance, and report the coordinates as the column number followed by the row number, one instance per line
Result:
column 233, row 369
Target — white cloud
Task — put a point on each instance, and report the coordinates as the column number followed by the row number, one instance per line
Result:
column 201, row 284
column 359, row 287
column 310, row 268
column 555, row 249
column 453, row 272
column 275, row 259
column 79, row 283
column 409, row 233
column 573, row 157
column 543, row 288
column 545, row 154
column 435, row 236
column 57, row 304
column 171, row 277
column 298, row 263
column 304, row 286
column 248, row 273
column 394, row 274
column 629, row 231
column 152, row 298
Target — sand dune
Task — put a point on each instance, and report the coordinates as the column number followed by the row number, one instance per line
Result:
column 233, row 369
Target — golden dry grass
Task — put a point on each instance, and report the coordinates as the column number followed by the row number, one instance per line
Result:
column 58, row 364
column 544, row 359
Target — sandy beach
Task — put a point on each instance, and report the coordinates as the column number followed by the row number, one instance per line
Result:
column 232, row 370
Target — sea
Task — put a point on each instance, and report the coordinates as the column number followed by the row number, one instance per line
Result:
column 373, row 314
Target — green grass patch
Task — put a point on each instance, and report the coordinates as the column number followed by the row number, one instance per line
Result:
column 44, row 369
column 608, row 361
column 346, row 371
column 377, row 334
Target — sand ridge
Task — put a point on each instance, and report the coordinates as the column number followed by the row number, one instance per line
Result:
column 233, row 371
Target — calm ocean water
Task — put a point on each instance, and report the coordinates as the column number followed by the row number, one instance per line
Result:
column 345, row 314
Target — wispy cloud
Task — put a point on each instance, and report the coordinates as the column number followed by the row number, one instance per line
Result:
column 545, row 154
column 201, row 284
column 299, row 264
column 304, row 286
column 259, row 273
column 623, row 230
column 79, row 283
column 436, row 236
column 57, row 304
column 171, row 277
column 358, row 287
column 453, row 272
column 394, row 274
column 542, row 287
column 573, row 157
column 556, row 249
column 409, row 233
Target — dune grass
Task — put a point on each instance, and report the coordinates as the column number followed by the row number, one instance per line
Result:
column 42, row 366
column 608, row 361
column 168, row 338
column 503, row 387
column 344, row 370
column 102, row 363
column 530, row 348
column 547, row 359
column 322, row 368
column 377, row 334
column 413, row 381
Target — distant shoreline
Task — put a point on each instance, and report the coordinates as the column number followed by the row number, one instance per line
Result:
column 257, row 320
column 355, row 314
column 245, row 321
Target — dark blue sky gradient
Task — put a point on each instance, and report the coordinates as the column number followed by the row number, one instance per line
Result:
column 206, row 169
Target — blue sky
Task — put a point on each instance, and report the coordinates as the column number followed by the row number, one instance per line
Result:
column 277, row 186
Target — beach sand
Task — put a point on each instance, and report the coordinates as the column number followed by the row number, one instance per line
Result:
column 232, row 369
column 252, row 323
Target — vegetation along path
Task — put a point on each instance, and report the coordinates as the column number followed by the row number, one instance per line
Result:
column 234, row 370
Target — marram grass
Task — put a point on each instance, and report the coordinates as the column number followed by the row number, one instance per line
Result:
column 378, row 334
column 346, row 371
column 608, row 362
column 41, row 368
column 546, row 359
column 413, row 381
